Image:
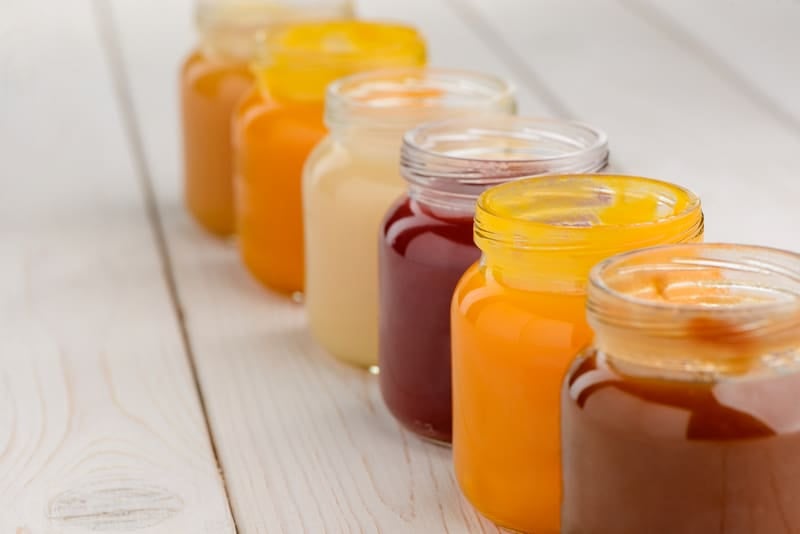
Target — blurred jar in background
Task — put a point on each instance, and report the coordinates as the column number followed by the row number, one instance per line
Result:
column 427, row 243
column 682, row 416
column 352, row 178
column 278, row 123
column 213, row 79
column 518, row 321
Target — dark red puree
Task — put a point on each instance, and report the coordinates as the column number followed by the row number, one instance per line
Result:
column 423, row 252
column 670, row 457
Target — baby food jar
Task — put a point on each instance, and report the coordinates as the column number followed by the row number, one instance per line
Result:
column 518, row 321
column 426, row 243
column 683, row 415
column 213, row 79
column 353, row 177
column 281, row 119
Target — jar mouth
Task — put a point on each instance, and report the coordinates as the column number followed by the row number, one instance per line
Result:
column 340, row 44
column 718, row 278
column 400, row 98
column 471, row 154
column 257, row 14
column 599, row 213
column 231, row 27
column 698, row 311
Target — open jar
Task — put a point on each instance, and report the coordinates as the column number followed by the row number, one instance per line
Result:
column 280, row 121
column 213, row 78
column 351, row 179
column 426, row 243
column 518, row 321
column 683, row 417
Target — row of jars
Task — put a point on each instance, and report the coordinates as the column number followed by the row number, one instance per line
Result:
column 491, row 273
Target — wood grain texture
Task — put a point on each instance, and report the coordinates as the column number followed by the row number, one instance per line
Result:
column 668, row 114
column 100, row 425
column 754, row 46
column 306, row 443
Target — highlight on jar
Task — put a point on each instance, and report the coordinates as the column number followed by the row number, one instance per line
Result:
column 683, row 415
column 518, row 321
column 351, row 179
column 426, row 243
column 213, row 79
column 281, row 119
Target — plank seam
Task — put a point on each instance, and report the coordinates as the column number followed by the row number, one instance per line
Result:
column 132, row 131
column 684, row 38
column 495, row 42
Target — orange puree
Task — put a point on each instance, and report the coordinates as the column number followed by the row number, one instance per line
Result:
column 281, row 120
column 270, row 210
column 209, row 93
column 213, row 79
column 518, row 320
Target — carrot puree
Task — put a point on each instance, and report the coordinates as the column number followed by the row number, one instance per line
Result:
column 281, row 120
column 518, row 321
column 214, row 77
column 210, row 91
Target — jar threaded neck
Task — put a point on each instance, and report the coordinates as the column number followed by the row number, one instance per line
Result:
column 553, row 229
column 389, row 102
column 701, row 311
column 455, row 160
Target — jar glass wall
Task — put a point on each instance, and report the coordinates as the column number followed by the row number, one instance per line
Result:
column 352, row 178
column 683, row 415
column 281, row 120
column 213, row 79
column 426, row 243
column 518, row 321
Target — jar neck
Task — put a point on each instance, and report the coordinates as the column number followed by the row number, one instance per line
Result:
column 300, row 61
column 230, row 29
column 450, row 163
column 698, row 312
column 382, row 105
column 546, row 233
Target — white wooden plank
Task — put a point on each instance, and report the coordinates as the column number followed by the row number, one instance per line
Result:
column 305, row 443
column 754, row 45
column 100, row 425
column 667, row 113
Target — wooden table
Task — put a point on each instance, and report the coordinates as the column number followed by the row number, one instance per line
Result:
column 148, row 384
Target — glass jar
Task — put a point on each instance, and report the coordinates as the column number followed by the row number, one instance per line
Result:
column 352, row 178
column 213, row 79
column 280, row 121
column 683, row 417
column 426, row 243
column 518, row 321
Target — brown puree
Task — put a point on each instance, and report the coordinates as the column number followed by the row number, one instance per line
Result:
column 668, row 456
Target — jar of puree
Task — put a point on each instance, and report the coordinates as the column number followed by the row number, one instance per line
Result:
column 213, row 79
column 281, row 119
column 353, row 176
column 426, row 243
column 518, row 321
column 683, row 415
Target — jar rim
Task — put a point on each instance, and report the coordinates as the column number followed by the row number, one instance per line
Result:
column 339, row 43
column 253, row 14
column 388, row 97
column 695, row 257
column 698, row 311
column 495, row 206
column 491, row 149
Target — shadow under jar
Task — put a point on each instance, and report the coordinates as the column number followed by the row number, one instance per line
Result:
column 426, row 243
column 214, row 77
column 683, row 416
column 518, row 321
column 353, row 176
